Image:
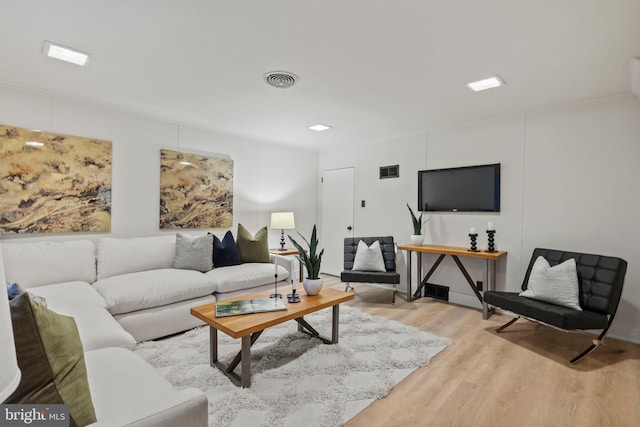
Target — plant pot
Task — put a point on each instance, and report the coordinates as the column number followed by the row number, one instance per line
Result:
column 417, row 239
column 312, row 286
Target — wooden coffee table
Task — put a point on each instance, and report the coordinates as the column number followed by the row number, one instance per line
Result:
column 249, row 327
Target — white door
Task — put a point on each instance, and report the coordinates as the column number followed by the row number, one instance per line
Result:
column 337, row 217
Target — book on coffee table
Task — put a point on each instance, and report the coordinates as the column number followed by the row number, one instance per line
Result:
column 248, row 306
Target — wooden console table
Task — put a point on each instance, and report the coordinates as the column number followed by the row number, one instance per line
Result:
column 455, row 253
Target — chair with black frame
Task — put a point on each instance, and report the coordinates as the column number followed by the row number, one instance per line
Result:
column 385, row 277
column 599, row 282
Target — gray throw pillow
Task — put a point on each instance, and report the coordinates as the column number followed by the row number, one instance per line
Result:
column 194, row 253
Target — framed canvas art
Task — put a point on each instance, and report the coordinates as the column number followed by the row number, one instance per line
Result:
column 196, row 191
column 53, row 183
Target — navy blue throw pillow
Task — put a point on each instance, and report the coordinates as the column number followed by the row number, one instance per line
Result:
column 225, row 251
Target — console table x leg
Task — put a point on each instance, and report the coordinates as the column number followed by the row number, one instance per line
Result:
column 423, row 283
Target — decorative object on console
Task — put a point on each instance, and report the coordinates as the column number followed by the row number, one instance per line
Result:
column 282, row 221
column 253, row 248
column 78, row 199
column 196, row 191
column 416, row 238
column 491, row 231
column 312, row 260
column 473, row 235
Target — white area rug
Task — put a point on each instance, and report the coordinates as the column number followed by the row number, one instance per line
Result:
column 297, row 380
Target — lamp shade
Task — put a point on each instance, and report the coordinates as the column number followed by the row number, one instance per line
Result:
column 9, row 372
column 282, row 221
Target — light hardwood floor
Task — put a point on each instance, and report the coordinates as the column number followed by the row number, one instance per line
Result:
column 520, row 377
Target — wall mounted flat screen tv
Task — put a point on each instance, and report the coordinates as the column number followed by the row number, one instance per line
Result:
column 463, row 189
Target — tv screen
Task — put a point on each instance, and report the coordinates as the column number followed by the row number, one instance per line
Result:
column 464, row 189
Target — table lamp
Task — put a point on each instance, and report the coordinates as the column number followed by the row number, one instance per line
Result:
column 282, row 221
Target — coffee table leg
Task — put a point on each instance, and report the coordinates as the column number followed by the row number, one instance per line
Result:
column 306, row 328
column 246, row 362
column 335, row 320
column 213, row 346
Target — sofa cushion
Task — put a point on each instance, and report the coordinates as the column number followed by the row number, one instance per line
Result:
column 43, row 263
column 69, row 293
column 245, row 276
column 225, row 251
column 253, row 248
column 157, row 322
column 194, row 253
column 97, row 327
column 153, row 288
column 121, row 256
column 51, row 359
column 128, row 391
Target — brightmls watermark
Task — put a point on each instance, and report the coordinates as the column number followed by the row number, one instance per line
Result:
column 34, row 415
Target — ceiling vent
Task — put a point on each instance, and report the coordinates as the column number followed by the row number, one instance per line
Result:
column 280, row 79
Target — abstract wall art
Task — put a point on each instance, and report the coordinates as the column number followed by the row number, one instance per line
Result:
column 196, row 191
column 53, row 183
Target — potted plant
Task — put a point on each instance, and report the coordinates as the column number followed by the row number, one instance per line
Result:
column 312, row 283
column 416, row 238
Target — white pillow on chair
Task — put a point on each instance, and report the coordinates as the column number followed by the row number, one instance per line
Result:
column 556, row 285
column 369, row 258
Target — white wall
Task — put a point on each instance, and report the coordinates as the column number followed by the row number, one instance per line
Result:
column 581, row 186
column 569, row 181
column 496, row 141
column 385, row 212
column 267, row 177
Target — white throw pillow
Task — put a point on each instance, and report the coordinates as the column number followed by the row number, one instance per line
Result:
column 369, row 258
column 557, row 285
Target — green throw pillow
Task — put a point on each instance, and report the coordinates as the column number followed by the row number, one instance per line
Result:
column 253, row 249
column 51, row 358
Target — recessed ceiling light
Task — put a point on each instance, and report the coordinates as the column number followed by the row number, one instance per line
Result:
column 34, row 144
column 489, row 83
column 65, row 53
column 319, row 127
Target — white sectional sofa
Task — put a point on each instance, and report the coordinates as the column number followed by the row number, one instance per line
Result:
column 123, row 291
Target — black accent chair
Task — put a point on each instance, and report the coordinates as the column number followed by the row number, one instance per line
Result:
column 387, row 279
column 600, row 278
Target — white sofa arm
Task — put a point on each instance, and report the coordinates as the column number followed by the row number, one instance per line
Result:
column 287, row 263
